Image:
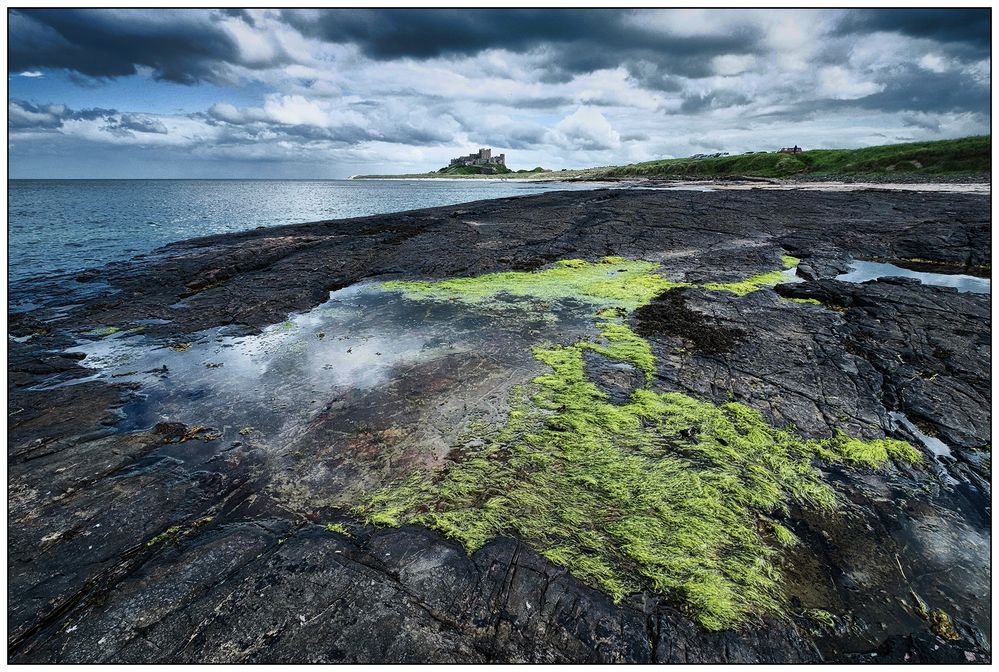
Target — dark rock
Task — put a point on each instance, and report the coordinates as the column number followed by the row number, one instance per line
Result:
column 126, row 548
column 616, row 379
column 669, row 315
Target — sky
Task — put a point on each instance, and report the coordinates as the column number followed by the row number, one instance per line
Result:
column 318, row 94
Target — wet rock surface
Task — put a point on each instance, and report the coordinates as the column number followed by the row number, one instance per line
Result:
column 137, row 538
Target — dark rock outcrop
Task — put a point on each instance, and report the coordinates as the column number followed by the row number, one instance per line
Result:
column 170, row 542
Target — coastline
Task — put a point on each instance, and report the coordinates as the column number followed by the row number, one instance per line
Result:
column 982, row 185
column 188, row 493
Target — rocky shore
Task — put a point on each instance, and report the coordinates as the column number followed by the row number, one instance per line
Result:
column 211, row 458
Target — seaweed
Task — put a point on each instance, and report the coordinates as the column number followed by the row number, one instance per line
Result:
column 663, row 492
column 666, row 492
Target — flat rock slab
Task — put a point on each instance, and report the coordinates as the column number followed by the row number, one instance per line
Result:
column 138, row 534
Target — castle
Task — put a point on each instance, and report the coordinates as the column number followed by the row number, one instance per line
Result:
column 483, row 157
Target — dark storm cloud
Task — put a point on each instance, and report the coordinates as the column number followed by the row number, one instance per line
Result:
column 909, row 90
column 921, row 121
column 914, row 89
column 713, row 100
column 650, row 75
column 188, row 45
column 970, row 28
column 184, row 45
column 577, row 41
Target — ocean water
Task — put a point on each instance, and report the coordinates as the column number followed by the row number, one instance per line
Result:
column 59, row 227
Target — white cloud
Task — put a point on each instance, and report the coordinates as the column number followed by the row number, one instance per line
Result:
column 933, row 63
column 732, row 64
column 839, row 83
column 586, row 128
column 31, row 74
column 295, row 111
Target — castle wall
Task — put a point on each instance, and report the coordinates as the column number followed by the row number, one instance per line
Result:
column 483, row 157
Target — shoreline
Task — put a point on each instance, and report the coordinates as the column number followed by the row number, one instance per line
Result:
column 983, row 186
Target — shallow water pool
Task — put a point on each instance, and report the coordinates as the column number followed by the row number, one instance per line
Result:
column 862, row 271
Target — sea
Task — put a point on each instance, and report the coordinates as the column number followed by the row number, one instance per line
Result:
column 61, row 227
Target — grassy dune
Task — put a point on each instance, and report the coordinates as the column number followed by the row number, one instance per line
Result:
column 963, row 156
column 944, row 157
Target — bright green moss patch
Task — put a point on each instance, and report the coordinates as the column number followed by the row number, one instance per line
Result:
column 843, row 448
column 613, row 282
column 665, row 492
column 752, row 284
column 338, row 528
column 814, row 302
column 784, row 536
column 625, row 345
column 756, row 282
column 822, row 617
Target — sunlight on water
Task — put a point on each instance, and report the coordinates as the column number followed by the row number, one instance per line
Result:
column 275, row 381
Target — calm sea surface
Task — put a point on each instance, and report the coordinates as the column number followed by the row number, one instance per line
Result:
column 64, row 226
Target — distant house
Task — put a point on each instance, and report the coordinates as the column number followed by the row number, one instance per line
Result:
column 483, row 157
column 790, row 150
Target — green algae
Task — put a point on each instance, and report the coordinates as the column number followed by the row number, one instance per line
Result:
column 756, row 282
column 613, row 282
column 822, row 617
column 843, row 448
column 749, row 285
column 338, row 528
column 624, row 345
column 169, row 533
column 814, row 302
column 784, row 536
column 665, row 492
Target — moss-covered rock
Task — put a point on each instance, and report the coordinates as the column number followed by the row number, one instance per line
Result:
column 665, row 492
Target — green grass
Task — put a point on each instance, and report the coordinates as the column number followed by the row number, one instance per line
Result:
column 943, row 157
column 962, row 156
column 491, row 169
